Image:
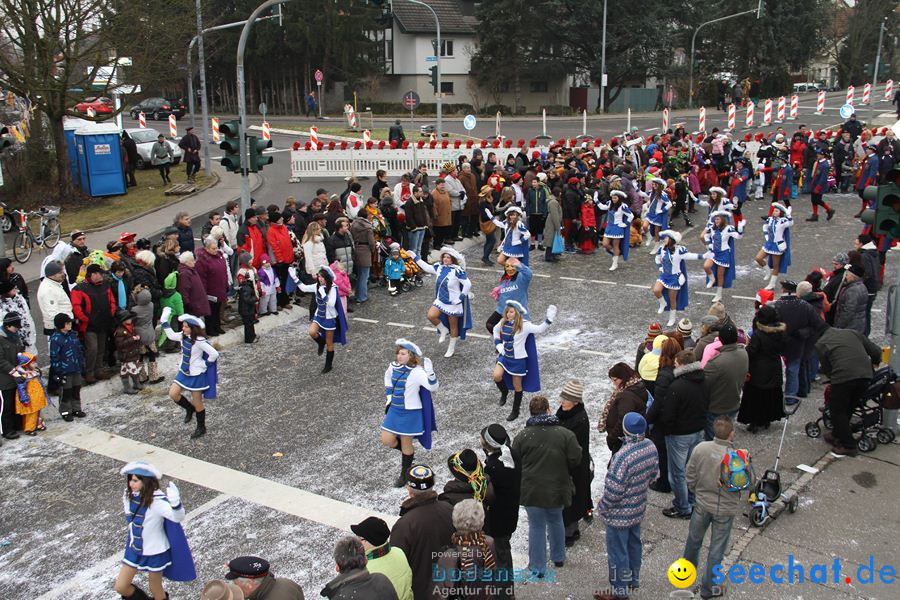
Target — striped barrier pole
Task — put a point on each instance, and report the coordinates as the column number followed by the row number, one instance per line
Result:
column 215, row 129
column 867, row 93
column 732, row 110
column 781, row 107
column 266, row 134
column 767, row 112
column 850, row 91
column 173, row 127
column 888, row 90
column 314, row 137
column 702, row 119
column 142, row 120
column 750, row 108
column 665, row 126
column 820, row 103
column 795, row 105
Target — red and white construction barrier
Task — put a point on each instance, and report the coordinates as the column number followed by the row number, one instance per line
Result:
column 781, row 107
column 215, row 129
column 888, row 90
column 91, row 112
column 820, row 103
column 702, row 124
column 731, row 116
column 142, row 120
column 750, row 108
column 314, row 137
column 173, row 127
column 795, row 106
column 665, row 127
column 367, row 136
column 767, row 112
column 850, row 91
column 867, row 93
column 266, row 134
column 351, row 116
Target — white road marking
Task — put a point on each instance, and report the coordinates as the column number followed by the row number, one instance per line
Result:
column 604, row 282
column 542, row 275
column 744, row 297
column 361, row 320
column 482, row 269
column 406, row 325
column 594, row 352
column 483, row 336
column 705, row 293
column 651, row 129
column 639, row 286
column 572, row 278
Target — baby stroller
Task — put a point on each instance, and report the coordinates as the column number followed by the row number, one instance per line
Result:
column 412, row 276
column 866, row 420
column 768, row 487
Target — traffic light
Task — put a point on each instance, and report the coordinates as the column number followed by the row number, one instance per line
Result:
column 257, row 159
column 231, row 130
column 885, row 217
column 6, row 140
column 433, row 78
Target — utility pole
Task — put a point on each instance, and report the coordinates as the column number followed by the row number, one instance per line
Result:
column 875, row 74
column 438, row 128
column 242, row 100
column 603, row 63
column 203, row 114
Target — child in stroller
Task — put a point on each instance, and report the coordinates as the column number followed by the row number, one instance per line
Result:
column 401, row 273
column 866, row 420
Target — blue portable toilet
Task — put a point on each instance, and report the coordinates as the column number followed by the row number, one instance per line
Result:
column 70, row 125
column 100, row 160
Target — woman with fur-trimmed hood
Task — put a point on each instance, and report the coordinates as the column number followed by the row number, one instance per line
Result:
column 761, row 402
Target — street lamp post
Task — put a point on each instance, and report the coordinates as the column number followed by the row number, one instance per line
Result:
column 694, row 43
column 603, row 63
column 875, row 74
column 437, row 52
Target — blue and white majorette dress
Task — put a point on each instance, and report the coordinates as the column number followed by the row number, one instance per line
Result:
column 516, row 239
column 149, row 546
column 720, row 243
column 673, row 273
column 518, row 353
column 198, row 371
column 778, row 239
column 658, row 211
column 410, row 409
column 724, row 204
column 329, row 315
column 618, row 222
column 451, row 293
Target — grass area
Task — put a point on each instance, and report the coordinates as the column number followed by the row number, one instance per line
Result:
column 149, row 194
column 379, row 133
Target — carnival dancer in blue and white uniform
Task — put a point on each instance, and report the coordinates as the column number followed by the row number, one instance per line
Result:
column 777, row 248
column 409, row 411
column 515, row 240
column 657, row 211
column 720, row 258
column 329, row 324
column 513, row 285
column 617, row 235
column 716, row 202
column 671, row 257
column 517, row 365
column 155, row 542
column 451, row 311
column 198, row 372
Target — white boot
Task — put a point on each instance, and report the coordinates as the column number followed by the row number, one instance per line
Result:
column 710, row 281
column 451, row 347
column 662, row 306
column 615, row 263
column 718, row 296
column 648, row 240
column 442, row 329
column 655, row 248
column 673, row 317
column 772, row 281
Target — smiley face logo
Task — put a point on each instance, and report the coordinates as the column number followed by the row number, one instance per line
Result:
column 682, row 573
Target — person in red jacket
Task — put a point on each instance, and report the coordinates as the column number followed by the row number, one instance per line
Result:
column 94, row 306
column 250, row 238
column 283, row 255
column 588, row 232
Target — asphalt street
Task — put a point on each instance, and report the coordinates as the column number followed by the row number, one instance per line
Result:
column 293, row 456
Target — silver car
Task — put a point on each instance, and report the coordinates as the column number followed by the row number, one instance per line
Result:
column 144, row 138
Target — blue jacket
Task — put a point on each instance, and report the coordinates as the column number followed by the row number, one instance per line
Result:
column 536, row 200
column 66, row 353
column 820, row 179
column 393, row 268
column 631, row 471
column 739, row 183
column 515, row 289
column 787, row 181
column 870, row 172
column 186, row 239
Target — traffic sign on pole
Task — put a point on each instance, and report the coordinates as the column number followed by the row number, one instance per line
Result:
column 319, row 76
column 411, row 100
column 469, row 122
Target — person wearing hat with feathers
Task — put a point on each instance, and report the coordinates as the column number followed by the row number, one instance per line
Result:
column 776, row 251
column 658, row 209
column 128, row 351
column 720, row 264
column 409, row 410
column 517, row 365
column 329, row 324
column 451, row 311
column 382, row 557
column 156, row 544
column 671, row 257
column 198, row 372
column 516, row 238
column 504, row 472
column 738, row 190
column 819, row 185
column 469, row 480
column 617, row 235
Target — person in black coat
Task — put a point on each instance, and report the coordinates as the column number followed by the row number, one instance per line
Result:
column 573, row 416
column 664, row 377
column 804, row 325
column 131, row 155
column 761, row 401
column 502, row 516
column 573, row 198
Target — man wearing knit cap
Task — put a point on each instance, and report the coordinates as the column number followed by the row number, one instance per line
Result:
column 624, row 502
column 502, row 516
column 686, row 328
column 647, row 345
column 850, row 311
column 725, row 374
column 573, row 416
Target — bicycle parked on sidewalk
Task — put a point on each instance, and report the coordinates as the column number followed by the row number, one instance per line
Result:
column 26, row 238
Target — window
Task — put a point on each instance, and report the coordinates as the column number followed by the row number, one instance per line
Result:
column 537, row 86
column 447, row 87
column 446, row 47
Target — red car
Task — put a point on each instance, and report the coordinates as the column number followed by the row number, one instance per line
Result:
column 101, row 106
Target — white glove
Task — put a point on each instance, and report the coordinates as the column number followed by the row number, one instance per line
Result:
column 173, row 494
column 551, row 313
column 126, row 501
column 426, row 364
column 782, row 245
column 413, row 255
column 740, row 227
column 292, row 271
column 471, row 296
column 708, row 254
column 499, row 348
column 681, row 279
column 166, row 314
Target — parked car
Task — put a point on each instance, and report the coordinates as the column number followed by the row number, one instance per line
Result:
column 808, row 86
column 144, row 138
column 158, row 108
column 101, row 106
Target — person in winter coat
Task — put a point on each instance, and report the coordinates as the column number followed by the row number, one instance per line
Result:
column 725, row 375
column 549, row 452
column 803, row 327
column 166, row 260
column 424, row 528
column 629, row 395
column 571, row 212
column 383, row 558
column 144, row 275
column 537, row 198
column 552, row 225
column 94, row 307
column 172, row 299
column 852, row 301
column 52, row 296
column 417, row 219
column 191, row 287
column 470, row 554
column 279, row 240
column 762, row 399
column 67, row 361
column 212, row 269
column 250, row 237
column 8, row 273
column 442, row 209
column 354, row 581
column 659, row 387
column 363, row 245
column 505, row 475
column 128, row 351
column 871, row 262
column 315, row 254
column 185, row 232
column 469, row 479
column 574, row 417
column 144, row 326
column 469, row 181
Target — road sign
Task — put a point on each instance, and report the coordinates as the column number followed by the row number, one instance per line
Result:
column 469, row 122
column 320, row 76
column 411, row 100
column 847, row 110
column 262, row 108
column 431, row 58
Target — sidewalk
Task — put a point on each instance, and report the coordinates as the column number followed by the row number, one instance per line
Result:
column 151, row 224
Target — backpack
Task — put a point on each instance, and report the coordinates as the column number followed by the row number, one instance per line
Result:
column 736, row 470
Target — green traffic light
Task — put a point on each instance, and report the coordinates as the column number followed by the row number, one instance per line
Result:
column 231, row 145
